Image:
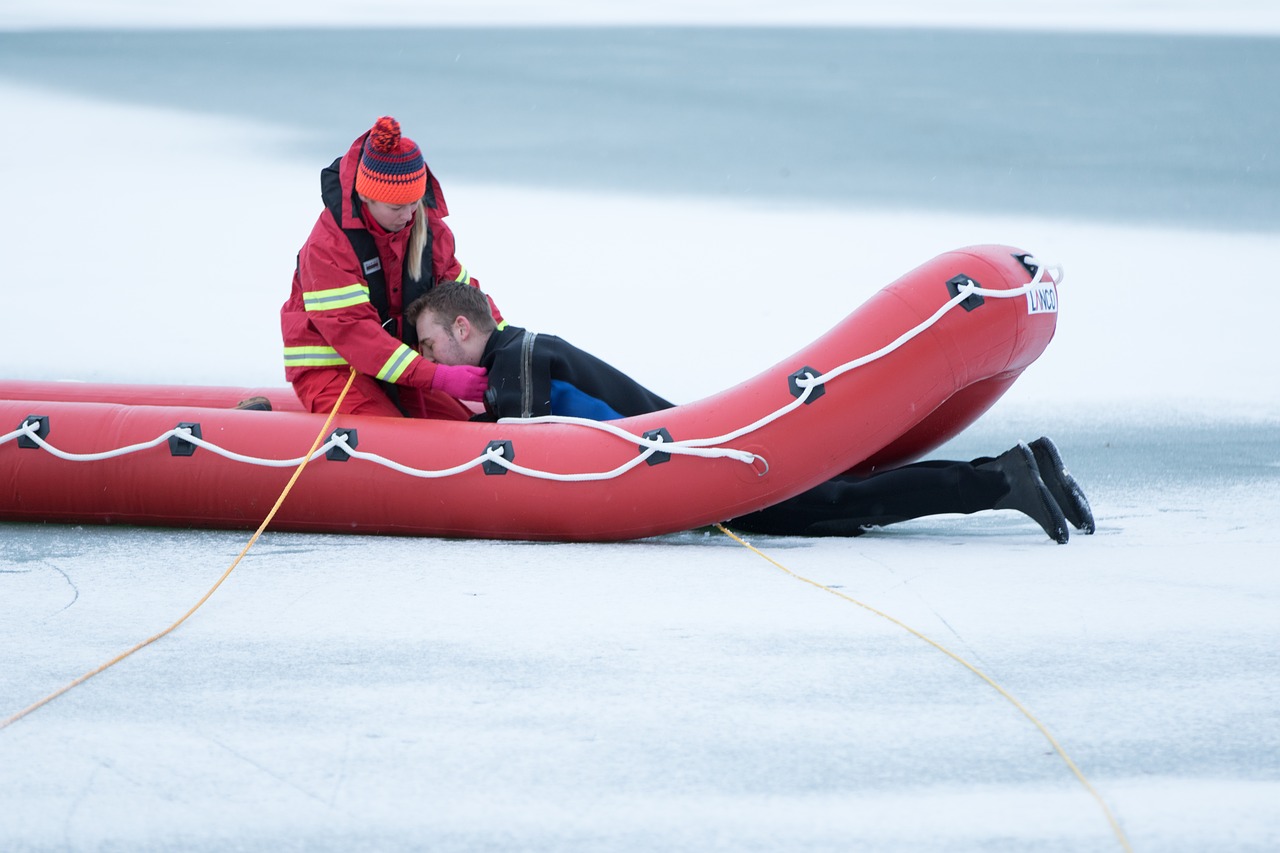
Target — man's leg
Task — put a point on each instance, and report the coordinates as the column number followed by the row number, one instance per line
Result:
column 846, row 505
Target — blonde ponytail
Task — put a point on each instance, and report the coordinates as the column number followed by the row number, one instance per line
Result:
column 417, row 240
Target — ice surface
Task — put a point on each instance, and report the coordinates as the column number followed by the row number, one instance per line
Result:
column 677, row 693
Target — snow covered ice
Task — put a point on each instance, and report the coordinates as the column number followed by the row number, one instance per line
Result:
column 676, row 693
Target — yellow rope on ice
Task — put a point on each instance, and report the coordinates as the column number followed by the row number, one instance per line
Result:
column 279, row 501
column 1057, row 747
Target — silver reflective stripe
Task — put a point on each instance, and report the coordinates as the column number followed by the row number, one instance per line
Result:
column 526, row 375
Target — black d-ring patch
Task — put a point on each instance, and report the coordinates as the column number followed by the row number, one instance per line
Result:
column 815, row 391
column 508, row 453
column 659, row 456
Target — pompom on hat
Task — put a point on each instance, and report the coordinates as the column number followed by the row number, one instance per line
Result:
column 392, row 170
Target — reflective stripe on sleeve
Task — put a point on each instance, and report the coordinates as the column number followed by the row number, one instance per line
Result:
column 397, row 364
column 336, row 297
column 312, row 357
column 463, row 276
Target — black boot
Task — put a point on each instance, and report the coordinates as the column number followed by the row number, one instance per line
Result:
column 257, row 404
column 1027, row 491
column 1064, row 488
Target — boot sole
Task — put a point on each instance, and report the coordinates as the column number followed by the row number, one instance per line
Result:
column 1064, row 488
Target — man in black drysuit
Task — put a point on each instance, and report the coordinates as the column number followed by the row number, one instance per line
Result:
column 533, row 374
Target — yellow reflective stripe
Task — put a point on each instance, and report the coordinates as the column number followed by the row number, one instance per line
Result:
column 502, row 325
column 397, row 364
column 312, row 357
column 336, row 297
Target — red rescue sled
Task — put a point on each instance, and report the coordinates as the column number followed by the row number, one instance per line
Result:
column 908, row 370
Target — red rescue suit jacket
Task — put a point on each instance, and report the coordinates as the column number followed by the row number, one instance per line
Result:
column 329, row 320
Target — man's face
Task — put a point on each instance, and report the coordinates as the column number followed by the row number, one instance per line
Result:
column 437, row 341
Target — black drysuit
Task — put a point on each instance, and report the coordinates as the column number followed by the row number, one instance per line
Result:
column 532, row 374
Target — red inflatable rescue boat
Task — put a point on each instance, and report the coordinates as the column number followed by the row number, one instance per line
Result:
column 908, row 370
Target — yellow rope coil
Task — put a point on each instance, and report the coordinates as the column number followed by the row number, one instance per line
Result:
column 1057, row 747
column 279, row 501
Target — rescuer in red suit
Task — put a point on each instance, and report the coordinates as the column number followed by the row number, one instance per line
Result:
column 380, row 242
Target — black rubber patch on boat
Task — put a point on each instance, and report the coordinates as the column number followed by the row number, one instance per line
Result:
column 338, row 453
column 1025, row 260
column 659, row 456
column 179, row 446
column 815, row 391
column 42, row 430
column 508, row 453
column 953, row 287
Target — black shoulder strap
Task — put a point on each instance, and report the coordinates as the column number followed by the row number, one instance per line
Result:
column 415, row 287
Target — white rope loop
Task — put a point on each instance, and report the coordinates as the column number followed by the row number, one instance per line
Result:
column 496, row 455
column 964, row 291
column 706, row 448
column 29, row 430
column 339, row 440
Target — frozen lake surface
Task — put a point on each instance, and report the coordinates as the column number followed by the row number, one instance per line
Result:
column 676, row 693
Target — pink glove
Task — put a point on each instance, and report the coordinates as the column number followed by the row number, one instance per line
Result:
column 461, row 380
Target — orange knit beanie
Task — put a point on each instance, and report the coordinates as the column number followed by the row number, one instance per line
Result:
column 391, row 170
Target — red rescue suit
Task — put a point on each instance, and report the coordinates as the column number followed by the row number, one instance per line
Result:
column 347, row 311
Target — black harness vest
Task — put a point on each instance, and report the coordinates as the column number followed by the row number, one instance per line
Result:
column 371, row 265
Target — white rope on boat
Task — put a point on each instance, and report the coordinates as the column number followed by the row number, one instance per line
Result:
column 809, row 381
column 29, row 429
column 340, row 440
column 965, row 290
column 186, row 434
column 495, row 454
